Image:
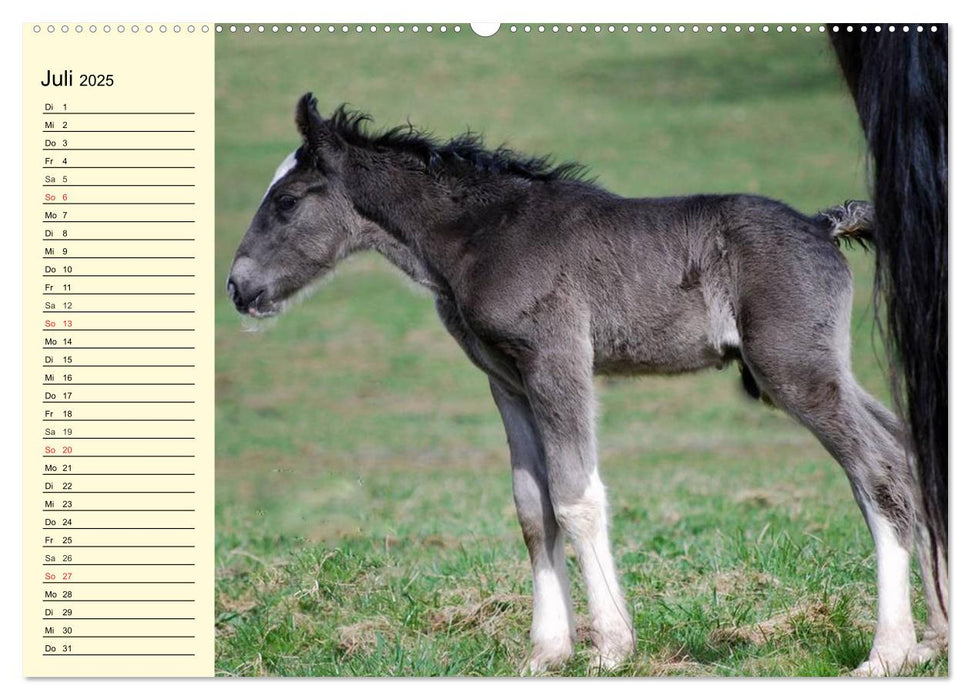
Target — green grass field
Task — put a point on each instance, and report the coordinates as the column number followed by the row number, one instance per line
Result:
column 364, row 515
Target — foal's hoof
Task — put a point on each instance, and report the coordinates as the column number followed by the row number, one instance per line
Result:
column 609, row 655
column 548, row 656
column 893, row 663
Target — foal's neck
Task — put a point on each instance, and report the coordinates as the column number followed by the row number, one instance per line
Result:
column 412, row 216
column 401, row 256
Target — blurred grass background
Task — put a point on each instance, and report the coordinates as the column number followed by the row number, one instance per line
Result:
column 365, row 523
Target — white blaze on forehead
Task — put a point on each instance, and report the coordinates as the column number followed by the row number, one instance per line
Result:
column 288, row 164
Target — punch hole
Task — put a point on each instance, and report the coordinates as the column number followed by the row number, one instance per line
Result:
column 94, row 28
column 526, row 29
column 36, row 29
column 148, row 29
column 79, row 29
column 205, row 29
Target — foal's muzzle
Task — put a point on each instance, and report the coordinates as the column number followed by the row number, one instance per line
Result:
column 248, row 295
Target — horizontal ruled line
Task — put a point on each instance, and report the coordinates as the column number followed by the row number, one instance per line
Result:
column 118, row 384
column 119, row 546
column 119, row 420
column 118, row 510
column 115, row 636
column 122, row 311
column 126, row 240
column 119, row 294
column 128, row 473
column 113, row 184
column 124, row 221
column 63, row 401
column 114, row 437
column 118, row 149
column 75, row 456
column 74, row 564
column 119, row 167
column 112, row 330
column 118, row 131
column 129, row 113
column 75, row 365
column 64, row 654
column 73, row 491
column 111, row 204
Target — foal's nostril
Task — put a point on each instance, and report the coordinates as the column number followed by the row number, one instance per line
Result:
column 231, row 289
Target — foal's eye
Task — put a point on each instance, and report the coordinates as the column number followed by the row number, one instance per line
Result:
column 285, row 202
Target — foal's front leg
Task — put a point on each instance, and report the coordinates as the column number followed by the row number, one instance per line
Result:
column 559, row 385
column 554, row 630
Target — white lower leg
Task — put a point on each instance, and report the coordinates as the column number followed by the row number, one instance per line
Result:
column 894, row 645
column 585, row 521
column 554, row 630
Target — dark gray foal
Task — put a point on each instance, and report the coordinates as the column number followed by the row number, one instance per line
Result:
column 545, row 279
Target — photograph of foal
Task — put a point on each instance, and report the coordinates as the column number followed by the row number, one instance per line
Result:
column 546, row 279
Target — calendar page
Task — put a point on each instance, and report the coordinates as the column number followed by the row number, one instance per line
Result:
column 437, row 349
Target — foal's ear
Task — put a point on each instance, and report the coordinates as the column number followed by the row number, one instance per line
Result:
column 309, row 122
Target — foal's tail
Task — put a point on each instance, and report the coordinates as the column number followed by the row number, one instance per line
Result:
column 850, row 222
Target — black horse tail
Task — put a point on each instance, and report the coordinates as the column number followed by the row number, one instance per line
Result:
column 899, row 82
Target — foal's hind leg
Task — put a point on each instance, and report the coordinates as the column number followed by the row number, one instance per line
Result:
column 554, row 631
column 934, row 574
column 825, row 397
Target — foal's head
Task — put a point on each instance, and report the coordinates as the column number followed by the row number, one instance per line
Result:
column 305, row 224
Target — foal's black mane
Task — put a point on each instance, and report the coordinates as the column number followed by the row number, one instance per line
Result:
column 458, row 155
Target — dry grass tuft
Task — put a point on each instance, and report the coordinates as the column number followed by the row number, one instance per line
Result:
column 362, row 636
column 486, row 615
column 777, row 626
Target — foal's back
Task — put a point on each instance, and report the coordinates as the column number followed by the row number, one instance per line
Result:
column 660, row 285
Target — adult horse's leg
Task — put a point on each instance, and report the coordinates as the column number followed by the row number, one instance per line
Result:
column 559, row 385
column 554, row 631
